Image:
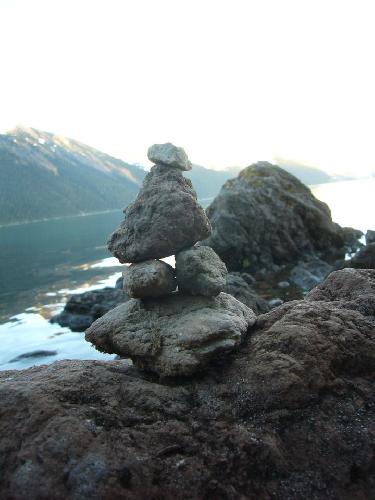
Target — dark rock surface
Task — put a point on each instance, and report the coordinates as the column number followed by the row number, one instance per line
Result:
column 265, row 217
column 291, row 415
column 149, row 279
column 174, row 335
column 164, row 219
column 84, row 308
column 242, row 291
column 200, row 271
column 351, row 239
column 370, row 236
column 365, row 258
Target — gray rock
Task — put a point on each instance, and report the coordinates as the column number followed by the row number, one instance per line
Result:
column 267, row 217
column 365, row 258
column 176, row 335
column 370, row 237
column 276, row 302
column 283, row 284
column 308, row 274
column 164, row 219
column 200, row 271
column 149, row 279
column 170, row 155
column 237, row 286
column 82, row 309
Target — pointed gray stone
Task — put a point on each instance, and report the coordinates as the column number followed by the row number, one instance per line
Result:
column 164, row 219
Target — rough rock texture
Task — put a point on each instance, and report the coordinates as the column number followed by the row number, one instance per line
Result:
column 308, row 274
column 365, row 258
column 164, row 219
column 169, row 155
column 175, row 335
column 370, row 237
column 242, row 291
column 83, row 309
column 200, row 271
column 149, row 279
column 265, row 217
column 291, row 415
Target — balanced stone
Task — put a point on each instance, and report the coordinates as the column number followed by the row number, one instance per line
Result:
column 200, row 271
column 169, row 155
column 164, row 219
column 175, row 335
column 152, row 278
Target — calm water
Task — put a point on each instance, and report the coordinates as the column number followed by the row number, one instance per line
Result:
column 44, row 262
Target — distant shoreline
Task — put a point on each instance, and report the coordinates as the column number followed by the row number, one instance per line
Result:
column 73, row 216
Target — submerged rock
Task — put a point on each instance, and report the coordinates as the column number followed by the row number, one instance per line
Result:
column 289, row 415
column 164, row 219
column 267, row 217
column 169, row 155
column 149, row 279
column 84, row 308
column 175, row 335
column 33, row 354
column 200, row 271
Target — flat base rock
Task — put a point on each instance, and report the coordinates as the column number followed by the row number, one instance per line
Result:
column 290, row 415
column 175, row 335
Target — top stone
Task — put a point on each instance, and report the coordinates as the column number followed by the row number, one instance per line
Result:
column 169, row 155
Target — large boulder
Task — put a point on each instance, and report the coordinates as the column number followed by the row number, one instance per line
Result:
column 164, row 219
column 267, row 217
column 289, row 415
column 175, row 335
column 200, row 271
column 82, row 309
column 149, row 279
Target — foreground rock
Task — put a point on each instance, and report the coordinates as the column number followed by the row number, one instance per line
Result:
column 289, row 415
column 174, row 336
column 164, row 219
column 83, row 309
column 266, row 218
column 200, row 271
column 149, row 279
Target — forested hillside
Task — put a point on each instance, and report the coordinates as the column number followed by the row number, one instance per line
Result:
column 44, row 176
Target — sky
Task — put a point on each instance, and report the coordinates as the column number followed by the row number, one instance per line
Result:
column 232, row 82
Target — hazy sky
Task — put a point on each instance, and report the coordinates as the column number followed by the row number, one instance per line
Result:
column 231, row 81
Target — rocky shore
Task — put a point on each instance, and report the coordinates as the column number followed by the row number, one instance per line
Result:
column 288, row 415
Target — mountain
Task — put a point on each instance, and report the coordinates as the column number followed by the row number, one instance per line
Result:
column 44, row 176
column 207, row 183
column 305, row 173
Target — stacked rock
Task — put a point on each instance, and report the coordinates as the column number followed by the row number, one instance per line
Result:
column 166, row 331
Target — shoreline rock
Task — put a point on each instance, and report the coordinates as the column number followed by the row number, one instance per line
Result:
column 289, row 415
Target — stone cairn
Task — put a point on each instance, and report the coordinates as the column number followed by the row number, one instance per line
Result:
column 162, row 330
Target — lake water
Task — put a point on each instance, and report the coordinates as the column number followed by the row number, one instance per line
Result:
column 42, row 263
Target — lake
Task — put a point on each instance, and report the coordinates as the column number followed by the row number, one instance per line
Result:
column 43, row 263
